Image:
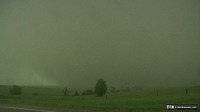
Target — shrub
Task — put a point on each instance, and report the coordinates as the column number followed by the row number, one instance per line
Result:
column 88, row 92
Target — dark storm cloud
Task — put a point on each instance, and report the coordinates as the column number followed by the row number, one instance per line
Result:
column 128, row 43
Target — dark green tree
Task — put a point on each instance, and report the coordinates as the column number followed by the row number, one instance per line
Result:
column 16, row 90
column 100, row 87
column 112, row 89
column 76, row 94
column 65, row 91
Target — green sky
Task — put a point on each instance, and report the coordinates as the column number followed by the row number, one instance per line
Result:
column 136, row 43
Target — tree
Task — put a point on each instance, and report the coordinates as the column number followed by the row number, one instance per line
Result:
column 76, row 94
column 112, row 89
column 16, row 90
column 65, row 91
column 101, row 87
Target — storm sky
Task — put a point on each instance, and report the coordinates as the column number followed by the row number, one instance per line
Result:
column 135, row 43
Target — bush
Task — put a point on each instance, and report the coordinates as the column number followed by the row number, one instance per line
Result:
column 88, row 92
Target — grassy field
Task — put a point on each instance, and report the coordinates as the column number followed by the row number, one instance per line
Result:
column 135, row 100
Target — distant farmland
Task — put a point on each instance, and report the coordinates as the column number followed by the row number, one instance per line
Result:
column 135, row 100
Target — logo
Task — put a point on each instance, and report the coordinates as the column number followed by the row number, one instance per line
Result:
column 170, row 107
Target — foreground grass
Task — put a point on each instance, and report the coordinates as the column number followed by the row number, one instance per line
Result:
column 142, row 100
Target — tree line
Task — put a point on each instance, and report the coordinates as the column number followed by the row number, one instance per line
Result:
column 100, row 89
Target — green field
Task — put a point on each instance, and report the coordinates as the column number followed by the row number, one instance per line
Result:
column 135, row 100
